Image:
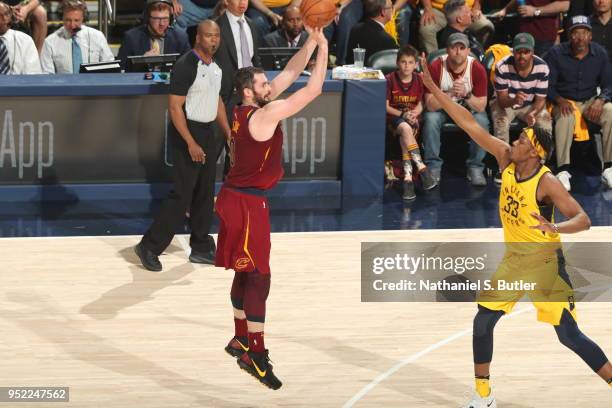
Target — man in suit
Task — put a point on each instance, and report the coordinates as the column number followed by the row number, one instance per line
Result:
column 238, row 49
column 156, row 36
column 370, row 33
column 291, row 32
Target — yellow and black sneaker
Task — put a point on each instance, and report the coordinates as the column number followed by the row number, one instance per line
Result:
column 258, row 365
column 237, row 346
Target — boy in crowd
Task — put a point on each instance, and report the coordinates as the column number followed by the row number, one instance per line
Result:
column 404, row 107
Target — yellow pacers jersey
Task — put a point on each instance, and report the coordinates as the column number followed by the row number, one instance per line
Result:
column 439, row 4
column 517, row 200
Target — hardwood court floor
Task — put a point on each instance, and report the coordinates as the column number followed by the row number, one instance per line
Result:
column 80, row 312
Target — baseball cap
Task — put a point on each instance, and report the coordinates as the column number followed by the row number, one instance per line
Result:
column 523, row 41
column 580, row 21
column 458, row 38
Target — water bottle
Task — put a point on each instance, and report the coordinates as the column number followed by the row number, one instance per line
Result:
column 521, row 2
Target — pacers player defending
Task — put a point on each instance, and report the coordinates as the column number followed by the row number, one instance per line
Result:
column 255, row 155
column 529, row 193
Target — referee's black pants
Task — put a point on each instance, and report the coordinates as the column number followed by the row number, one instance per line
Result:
column 193, row 192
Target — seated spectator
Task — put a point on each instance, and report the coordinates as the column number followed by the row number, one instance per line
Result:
column 404, row 9
column 189, row 13
column 433, row 20
column 579, row 68
column 465, row 80
column 291, row 32
column 540, row 18
column 33, row 14
column 602, row 27
column 18, row 53
column 156, row 36
column 521, row 84
column 404, row 107
column 459, row 17
column 74, row 43
column 370, row 34
column 266, row 14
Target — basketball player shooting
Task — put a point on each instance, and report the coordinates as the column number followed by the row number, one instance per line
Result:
column 256, row 166
column 529, row 193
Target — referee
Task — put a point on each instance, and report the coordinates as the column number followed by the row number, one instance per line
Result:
column 194, row 102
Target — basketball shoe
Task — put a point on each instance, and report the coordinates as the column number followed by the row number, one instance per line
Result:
column 237, row 346
column 479, row 402
column 258, row 365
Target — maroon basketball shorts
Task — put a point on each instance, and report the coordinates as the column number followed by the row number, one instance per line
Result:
column 244, row 234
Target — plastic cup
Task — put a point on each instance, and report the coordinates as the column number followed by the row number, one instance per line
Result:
column 359, row 57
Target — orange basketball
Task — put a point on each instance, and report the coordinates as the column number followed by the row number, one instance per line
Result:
column 318, row 13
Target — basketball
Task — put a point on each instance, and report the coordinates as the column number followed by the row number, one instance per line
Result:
column 318, row 13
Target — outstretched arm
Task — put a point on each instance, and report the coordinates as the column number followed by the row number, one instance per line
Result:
column 264, row 121
column 464, row 119
column 294, row 67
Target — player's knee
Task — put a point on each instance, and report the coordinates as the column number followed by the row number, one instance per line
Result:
column 568, row 332
column 260, row 283
column 237, row 303
column 256, row 294
column 485, row 321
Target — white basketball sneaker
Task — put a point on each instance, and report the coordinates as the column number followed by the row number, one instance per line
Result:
column 564, row 177
column 479, row 402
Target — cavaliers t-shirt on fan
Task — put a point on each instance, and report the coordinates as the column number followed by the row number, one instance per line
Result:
column 404, row 95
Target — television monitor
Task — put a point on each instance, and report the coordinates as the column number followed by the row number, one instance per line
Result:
column 152, row 63
column 101, row 67
column 275, row 58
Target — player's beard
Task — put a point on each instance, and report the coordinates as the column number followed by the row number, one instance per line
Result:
column 261, row 101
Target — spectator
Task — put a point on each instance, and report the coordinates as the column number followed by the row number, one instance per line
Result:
column 370, row 34
column 404, row 9
column 156, row 36
column 465, row 80
column 18, row 53
column 240, row 41
column 459, row 17
column 602, row 29
column 404, row 107
column 267, row 13
column 34, row 14
column 521, row 83
column 190, row 12
column 74, row 43
column 540, row 18
column 577, row 69
column 291, row 32
column 433, row 20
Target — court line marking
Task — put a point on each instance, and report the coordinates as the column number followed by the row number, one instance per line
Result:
column 414, row 357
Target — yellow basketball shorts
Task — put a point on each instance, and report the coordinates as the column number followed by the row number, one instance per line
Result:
column 541, row 276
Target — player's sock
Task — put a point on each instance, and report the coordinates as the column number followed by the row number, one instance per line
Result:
column 407, row 166
column 415, row 155
column 482, row 386
column 240, row 327
column 256, row 342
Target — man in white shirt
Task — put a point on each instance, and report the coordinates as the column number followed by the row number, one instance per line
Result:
column 18, row 54
column 74, row 43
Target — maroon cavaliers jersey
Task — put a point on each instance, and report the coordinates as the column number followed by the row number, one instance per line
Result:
column 403, row 96
column 253, row 164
